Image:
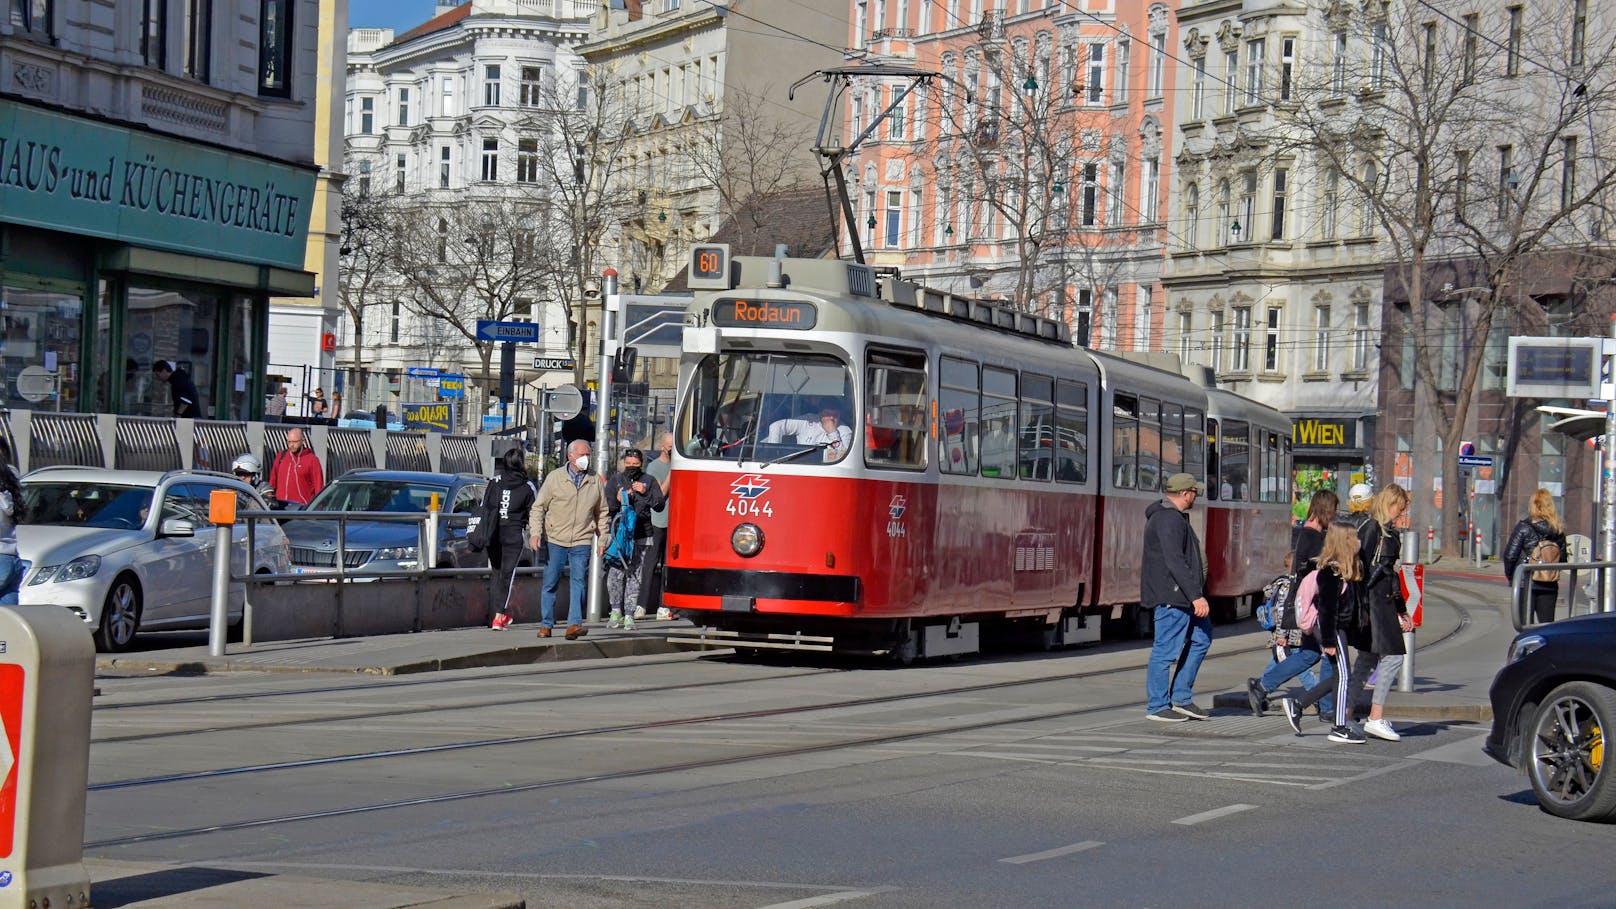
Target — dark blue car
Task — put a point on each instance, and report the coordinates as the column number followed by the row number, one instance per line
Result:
column 376, row 546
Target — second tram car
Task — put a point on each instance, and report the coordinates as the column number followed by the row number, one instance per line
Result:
column 866, row 465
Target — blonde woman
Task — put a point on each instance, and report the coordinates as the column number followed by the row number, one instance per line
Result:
column 1378, row 547
column 1542, row 522
column 1343, row 622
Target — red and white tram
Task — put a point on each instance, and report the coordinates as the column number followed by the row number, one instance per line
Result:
column 866, row 465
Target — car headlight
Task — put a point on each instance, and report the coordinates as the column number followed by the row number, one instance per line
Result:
column 398, row 554
column 1525, row 645
column 746, row 540
column 76, row 570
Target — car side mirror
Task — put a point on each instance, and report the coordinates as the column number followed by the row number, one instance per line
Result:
column 176, row 527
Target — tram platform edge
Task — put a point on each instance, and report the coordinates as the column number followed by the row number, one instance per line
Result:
column 135, row 885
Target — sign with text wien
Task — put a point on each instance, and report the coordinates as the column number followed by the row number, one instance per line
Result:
column 1555, row 367
column 517, row 332
column 78, row 175
column 1321, row 432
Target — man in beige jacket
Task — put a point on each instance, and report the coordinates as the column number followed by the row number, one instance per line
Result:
column 569, row 515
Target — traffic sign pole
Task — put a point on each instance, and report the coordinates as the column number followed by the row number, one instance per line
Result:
column 1608, row 485
column 603, row 408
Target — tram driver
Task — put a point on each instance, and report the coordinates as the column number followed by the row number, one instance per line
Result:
column 828, row 430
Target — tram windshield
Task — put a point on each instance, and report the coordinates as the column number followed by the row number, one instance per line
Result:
column 769, row 407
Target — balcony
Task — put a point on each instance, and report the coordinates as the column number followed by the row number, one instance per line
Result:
column 991, row 27
column 885, row 33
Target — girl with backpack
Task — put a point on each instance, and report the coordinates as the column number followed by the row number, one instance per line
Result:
column 1295, row 651
column 1539, row 537
column 1343, row 621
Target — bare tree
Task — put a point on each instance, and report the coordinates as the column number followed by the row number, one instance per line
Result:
column 1469, row 153
column 364, row 263
column 473, row 259
column 584, row 132
column 760, row 167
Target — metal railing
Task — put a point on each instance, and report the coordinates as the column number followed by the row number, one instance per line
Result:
column 1520, row 606
column 341, row 577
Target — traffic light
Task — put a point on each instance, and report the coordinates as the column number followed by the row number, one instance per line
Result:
column 623, row 369
column 507, row 372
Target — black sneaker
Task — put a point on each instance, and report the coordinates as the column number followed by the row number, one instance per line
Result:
column 1166, row 715
column 1256, row 697
column 1191, row 710
column 1293, row 715
column 1346, row 735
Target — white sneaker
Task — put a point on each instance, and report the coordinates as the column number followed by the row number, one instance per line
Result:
column 639, row 612
column 1381, row 729
column 664, row 614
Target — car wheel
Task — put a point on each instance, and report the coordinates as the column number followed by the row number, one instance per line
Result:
column 1565, row 756
column 120, row 616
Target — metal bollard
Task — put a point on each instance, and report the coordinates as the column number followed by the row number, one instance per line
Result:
column 1405, row 673
column 429, row 553
column 222, row 512
column 47, row 679
column 597, row 584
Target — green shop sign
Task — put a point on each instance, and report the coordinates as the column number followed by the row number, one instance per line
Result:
column 75, row 175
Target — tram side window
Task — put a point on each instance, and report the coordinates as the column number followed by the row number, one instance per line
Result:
column 896, row 403
column 1214, row 461
column 1071, row 432
column 1125, row 442
column 957, row 399
column 1172, row 448
column 1271, row 475
column 1234, row 448
column 1037, row 427
column 1194, row 443
column 1150, row 444
column 998, row 423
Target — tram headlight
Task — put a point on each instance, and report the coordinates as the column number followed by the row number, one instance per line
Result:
column 746, row 540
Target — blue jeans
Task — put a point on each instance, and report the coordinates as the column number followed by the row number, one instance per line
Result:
column 1300, row 662
column 1182, row 639
column 577, row 562
column 10, row 579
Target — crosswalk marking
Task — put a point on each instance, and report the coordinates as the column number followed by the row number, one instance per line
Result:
column 1213, row 815
column 1051, row 853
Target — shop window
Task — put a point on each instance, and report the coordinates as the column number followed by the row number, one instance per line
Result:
column 176, row 325
column 39, row 346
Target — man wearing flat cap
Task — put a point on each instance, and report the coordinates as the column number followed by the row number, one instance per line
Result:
column 1172, row 580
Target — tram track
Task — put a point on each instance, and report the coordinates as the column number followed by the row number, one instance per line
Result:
column 628, row 728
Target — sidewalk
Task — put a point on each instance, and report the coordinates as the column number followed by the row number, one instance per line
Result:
column 399, row 654
column 133, row 885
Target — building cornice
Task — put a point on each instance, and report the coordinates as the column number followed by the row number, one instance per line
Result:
column 656, row 33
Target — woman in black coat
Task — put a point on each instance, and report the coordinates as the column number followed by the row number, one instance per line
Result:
column 1542, row 522
column 1378, row 548
column 1337, row 588
column 506, row 502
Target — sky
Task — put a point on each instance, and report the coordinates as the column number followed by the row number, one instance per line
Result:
column 398, row 15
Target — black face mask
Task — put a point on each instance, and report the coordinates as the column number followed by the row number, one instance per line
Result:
column 633, row 472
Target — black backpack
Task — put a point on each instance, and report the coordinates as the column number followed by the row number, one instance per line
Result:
column 480, row 528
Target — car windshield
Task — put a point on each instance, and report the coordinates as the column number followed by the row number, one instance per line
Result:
column 87, row 504
column 379, row 495
column 768, row 407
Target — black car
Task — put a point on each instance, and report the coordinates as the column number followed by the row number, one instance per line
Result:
column 374, row 546
column 1553, row 702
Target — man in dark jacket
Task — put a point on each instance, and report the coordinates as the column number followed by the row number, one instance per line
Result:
column 642, row 494
column 181, row 390
column 1172, row 580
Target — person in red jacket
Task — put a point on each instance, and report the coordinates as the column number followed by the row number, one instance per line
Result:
column 296, row 476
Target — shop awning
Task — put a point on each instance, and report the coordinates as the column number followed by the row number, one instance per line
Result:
column 280, row 282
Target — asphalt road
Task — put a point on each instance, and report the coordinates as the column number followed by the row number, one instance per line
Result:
column 999, row 781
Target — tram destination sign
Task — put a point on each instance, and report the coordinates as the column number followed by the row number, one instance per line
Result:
column 730, row 312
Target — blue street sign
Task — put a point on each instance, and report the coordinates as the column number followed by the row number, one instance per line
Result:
column 423, row 372
column 451, row 386
column 520, row 332
column 492, row 423
column 1475, row 461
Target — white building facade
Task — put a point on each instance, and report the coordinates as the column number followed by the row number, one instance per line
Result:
column 1274, row 277
column 449, row 115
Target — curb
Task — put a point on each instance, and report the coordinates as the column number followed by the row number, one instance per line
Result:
column 1478, row 713
column 549, row 652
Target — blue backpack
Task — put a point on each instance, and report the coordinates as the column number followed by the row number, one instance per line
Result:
column 621, row 547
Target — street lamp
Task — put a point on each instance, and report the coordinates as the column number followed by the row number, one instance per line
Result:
column 1234, row 230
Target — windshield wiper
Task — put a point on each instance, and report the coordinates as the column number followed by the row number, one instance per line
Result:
column 816, row 446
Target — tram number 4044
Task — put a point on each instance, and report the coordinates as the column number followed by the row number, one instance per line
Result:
column 749, row 508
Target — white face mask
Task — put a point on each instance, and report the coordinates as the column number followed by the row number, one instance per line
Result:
column 580, row 463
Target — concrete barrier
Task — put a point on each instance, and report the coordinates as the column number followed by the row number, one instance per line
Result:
column 289, row 610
